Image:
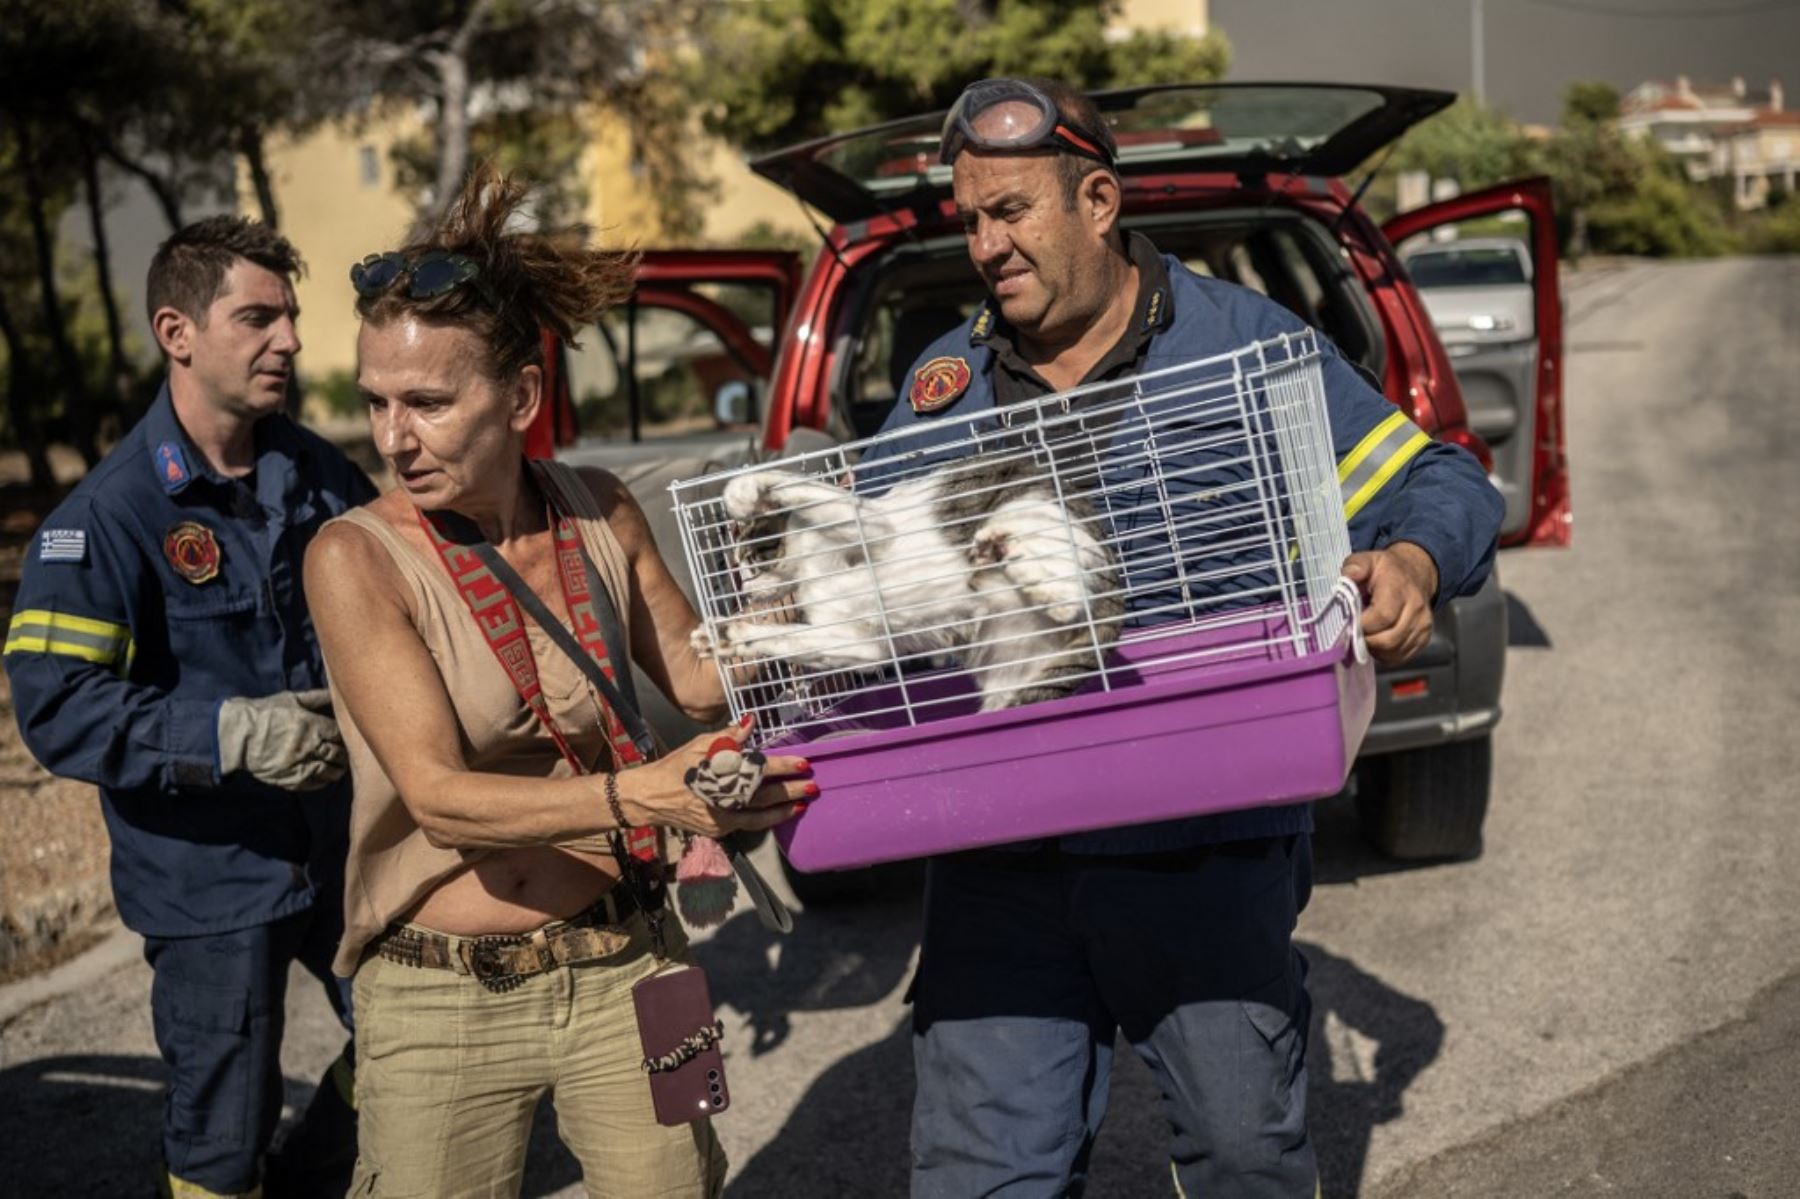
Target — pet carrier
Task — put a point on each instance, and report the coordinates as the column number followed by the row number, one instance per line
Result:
column 1172, row 547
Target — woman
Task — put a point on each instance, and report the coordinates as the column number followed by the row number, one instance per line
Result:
column 496, row 914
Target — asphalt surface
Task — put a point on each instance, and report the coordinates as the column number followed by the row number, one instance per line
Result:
column 1606, row 1002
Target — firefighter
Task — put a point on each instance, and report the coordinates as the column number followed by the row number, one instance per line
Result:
column 160, row 647
column 1179, row 935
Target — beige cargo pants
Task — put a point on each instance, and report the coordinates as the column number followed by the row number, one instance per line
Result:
column 448, row 1075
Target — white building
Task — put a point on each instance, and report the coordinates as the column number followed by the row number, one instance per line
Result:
column 1719, row 132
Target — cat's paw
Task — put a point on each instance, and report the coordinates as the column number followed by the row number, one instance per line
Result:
column 749, row 495
column 989, row 547
column 1064, row 613
column 734, row 641
column 702, row 643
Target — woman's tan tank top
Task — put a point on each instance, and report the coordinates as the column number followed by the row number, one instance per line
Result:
column 392, row 866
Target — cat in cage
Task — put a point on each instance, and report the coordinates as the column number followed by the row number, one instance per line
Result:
column 976, row 561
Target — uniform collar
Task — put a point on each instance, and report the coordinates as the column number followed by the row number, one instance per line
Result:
column 173, row 459
column 177, row 464
column 1151, row 313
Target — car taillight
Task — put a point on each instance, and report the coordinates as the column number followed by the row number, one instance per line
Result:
column 1463, row 436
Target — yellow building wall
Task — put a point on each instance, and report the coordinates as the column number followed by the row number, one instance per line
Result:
column 622, row 210
column 336, row 199
column 1169, row 16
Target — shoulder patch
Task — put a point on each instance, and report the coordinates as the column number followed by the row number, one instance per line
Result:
column 62, row 545
column 171, row 466
column 939, row 382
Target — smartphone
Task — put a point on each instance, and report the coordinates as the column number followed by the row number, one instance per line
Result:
column 674, row 1005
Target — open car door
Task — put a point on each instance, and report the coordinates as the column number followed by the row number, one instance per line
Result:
column 682, row 364
column 1503, row 334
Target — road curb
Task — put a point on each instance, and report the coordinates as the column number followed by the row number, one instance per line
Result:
column 117, row 949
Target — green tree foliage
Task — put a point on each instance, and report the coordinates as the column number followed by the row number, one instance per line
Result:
column 1474, row 145
column 1590, row 101
column 1620, row 195
column 780, row 71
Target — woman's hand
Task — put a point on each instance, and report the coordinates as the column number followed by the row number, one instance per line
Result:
column 660, row 793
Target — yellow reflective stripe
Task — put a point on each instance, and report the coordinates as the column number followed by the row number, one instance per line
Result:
column 74, row 624
column 1378, row 480
column 1367, row 445
column 41, row 645
column 39, row 631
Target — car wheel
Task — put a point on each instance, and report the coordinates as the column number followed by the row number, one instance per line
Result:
column 1427, row 803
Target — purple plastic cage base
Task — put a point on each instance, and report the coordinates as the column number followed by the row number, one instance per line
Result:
column 1245, row 727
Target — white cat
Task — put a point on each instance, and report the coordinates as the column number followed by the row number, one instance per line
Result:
column 975, row 560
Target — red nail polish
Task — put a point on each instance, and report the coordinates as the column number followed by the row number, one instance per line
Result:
column 799, row 808
column 804, row 765
column 811, row 791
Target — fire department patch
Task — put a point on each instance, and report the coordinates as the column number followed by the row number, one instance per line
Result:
column 193, row 551
column 938, row 382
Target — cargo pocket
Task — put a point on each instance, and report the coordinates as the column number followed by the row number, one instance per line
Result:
column 1277, row 1012
column 203, row 1033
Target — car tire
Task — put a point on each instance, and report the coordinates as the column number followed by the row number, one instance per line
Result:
column 1427, row 803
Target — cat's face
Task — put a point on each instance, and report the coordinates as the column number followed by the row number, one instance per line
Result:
column 758, row 554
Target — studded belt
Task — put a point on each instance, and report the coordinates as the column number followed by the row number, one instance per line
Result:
column 503, row 961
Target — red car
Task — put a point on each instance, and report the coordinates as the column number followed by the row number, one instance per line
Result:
column 1241, row 181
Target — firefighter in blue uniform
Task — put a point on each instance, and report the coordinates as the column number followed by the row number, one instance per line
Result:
column 1179, row 934
column 160, row 647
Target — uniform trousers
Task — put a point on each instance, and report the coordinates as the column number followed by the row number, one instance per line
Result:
column 1034, row 962
column 218, row 1006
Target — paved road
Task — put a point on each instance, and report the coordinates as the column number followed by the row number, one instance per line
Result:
column 1607, row 1002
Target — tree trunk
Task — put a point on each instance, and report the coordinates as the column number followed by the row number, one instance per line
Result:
column 452, row 131
column 452, row 66
column 161, row 188
column 250, row 145
column 118, row 368
column 18, row 404
column 79, row 408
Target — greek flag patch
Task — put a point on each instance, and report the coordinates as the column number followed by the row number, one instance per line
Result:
column 62, row 545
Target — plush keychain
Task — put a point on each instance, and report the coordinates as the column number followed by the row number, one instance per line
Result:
column 725, row 778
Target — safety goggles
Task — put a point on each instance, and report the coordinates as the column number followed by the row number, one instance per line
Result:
column 430, row 274
column 1010, row 115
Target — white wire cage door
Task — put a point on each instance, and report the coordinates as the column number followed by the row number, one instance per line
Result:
column 1060, row 563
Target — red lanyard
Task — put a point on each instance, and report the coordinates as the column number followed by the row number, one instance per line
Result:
column 498, row 617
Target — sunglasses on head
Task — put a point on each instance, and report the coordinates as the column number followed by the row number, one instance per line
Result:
column 430, row 274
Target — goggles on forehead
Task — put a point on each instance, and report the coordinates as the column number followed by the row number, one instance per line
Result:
column 1003, row 115
column 429, row 274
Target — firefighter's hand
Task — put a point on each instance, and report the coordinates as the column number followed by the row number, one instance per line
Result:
column 1398, row 585
column 288, row 739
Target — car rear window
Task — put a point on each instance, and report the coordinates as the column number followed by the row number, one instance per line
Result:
column 1488, row 267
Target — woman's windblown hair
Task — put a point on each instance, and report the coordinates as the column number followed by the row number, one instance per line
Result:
column 527, row 281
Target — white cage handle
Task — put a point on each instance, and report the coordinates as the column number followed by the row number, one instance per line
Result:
column 1347, row 590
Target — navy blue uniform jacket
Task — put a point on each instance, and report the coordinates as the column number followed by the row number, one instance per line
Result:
column 1398, row 484
column 119, row 664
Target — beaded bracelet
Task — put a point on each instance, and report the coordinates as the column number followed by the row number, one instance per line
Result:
column 612, row 802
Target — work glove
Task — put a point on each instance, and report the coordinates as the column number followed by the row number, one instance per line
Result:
column 286, row 740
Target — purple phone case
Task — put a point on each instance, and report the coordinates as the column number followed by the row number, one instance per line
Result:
column 671, row 1005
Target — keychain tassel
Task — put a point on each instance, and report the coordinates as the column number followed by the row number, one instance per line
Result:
column 706, row 886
